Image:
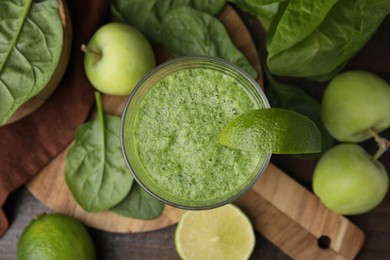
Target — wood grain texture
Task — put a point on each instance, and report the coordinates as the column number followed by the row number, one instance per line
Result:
column 35, row 102
column 295, row 220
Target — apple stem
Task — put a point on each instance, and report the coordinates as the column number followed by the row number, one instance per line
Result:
column 85, row 49
column 383, row 144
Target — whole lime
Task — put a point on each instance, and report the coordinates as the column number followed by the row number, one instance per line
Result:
column 55, row 237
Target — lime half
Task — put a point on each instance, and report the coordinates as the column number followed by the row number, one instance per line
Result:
column 220, row 233
column 272, row 130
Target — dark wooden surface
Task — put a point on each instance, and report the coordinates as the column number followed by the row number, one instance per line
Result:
column 21, row 206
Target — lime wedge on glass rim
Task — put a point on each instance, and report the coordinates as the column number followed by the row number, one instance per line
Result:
column 272, row 130
column 219, row 233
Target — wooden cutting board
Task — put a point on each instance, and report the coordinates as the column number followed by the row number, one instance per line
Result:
column 281, row 209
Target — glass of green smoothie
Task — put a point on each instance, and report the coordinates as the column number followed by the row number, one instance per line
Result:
column 170, row 129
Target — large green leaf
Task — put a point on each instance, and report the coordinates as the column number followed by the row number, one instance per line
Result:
column 186, row 31
column 31, row 39
column 319, row 54
column 299, row 19
column 95, row 170
column 147, row 15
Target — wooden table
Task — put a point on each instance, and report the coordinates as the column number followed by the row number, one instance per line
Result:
column 21, row 206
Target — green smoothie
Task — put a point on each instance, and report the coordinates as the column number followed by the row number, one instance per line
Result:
column 176, row 130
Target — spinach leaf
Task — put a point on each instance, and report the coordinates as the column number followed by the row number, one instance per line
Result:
column 139, row 204
column 290, row 97
column 264, row 10
column 316, row 38
column 310, row 15
column 31, row 39
column 147, row 16
column 186, row 31
column 266, row 14
column 95, row 171
column 212, row 7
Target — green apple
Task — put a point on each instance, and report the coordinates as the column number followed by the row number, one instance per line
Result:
column 354, row 102
column 348, row 181
column 116, row 58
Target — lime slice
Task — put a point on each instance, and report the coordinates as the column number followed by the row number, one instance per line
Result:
column 272, row 130
column 220, row 233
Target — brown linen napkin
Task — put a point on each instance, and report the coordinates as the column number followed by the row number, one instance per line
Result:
column 27, row 145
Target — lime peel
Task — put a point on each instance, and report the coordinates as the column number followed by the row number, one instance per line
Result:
column 55, row 236
column 272, row 130
column 219, row 233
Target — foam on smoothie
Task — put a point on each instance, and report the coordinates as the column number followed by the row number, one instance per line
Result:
column 177, row 130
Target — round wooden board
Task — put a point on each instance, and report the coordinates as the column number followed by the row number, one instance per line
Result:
column 49, row 185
